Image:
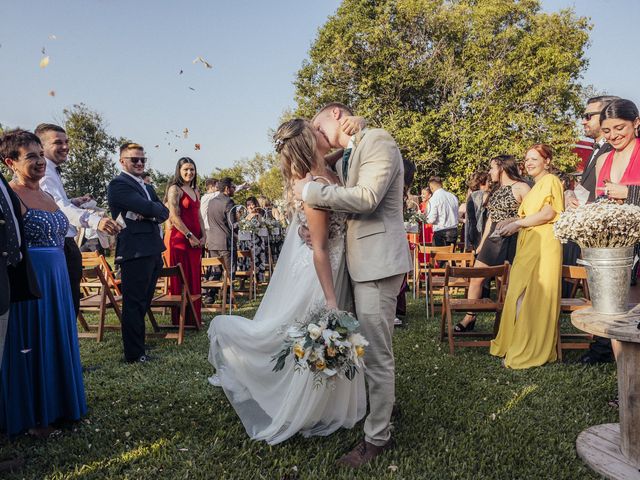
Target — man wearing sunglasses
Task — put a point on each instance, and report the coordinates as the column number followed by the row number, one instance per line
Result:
column 591, row 125
column 137, row 208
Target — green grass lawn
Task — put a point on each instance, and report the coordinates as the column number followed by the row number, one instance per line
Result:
column 461, row 417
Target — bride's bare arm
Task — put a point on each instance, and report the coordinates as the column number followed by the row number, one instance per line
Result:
column 318, row 221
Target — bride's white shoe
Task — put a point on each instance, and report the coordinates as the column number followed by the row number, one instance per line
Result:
column 214, row 380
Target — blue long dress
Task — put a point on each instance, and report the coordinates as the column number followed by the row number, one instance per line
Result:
column 41, row 377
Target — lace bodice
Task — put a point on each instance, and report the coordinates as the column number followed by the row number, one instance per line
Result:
column 337, row 222
column 45, row 229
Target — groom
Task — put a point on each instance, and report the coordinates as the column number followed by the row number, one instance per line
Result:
column 372, row 173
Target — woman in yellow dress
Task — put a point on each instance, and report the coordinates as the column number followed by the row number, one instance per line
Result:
column 529, row 323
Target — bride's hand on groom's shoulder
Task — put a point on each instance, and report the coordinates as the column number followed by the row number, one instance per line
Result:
column 352, row 125
column 298, row 186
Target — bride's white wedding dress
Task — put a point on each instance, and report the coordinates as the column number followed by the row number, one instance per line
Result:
column 273, row 406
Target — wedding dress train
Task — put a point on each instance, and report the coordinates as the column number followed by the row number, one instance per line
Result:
column 273, row 406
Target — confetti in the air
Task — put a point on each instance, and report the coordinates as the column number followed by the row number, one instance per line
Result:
column 44, row 52
column 197, row 146
column 52, row 93
column 185, row 132
column 202, row 61
column 52, row 37
column 44, row 62
column 176, row 150
column 191, row 88
column 157, row 146
column 181, row 72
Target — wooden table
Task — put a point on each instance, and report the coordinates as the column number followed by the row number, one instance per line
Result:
column 613, row 449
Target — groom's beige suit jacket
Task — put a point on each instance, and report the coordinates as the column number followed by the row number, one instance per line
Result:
column 377, row 245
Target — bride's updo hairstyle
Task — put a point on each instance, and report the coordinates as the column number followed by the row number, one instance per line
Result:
column 295, row 142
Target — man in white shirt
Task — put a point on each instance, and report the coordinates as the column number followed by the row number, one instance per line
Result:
column 443, row 214
column 211, row 184
column 56, row 149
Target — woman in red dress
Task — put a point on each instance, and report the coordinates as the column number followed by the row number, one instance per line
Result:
column 185, row 233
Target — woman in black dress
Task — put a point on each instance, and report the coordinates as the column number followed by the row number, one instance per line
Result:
column 508, row 190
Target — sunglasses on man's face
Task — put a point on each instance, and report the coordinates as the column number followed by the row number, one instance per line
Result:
column 142, row 160
column 589, row 115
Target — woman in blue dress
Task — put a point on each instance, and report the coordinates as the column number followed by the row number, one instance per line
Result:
column 41, row 378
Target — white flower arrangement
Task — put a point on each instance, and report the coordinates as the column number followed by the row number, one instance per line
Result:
column 326, row 343
column 605, row 224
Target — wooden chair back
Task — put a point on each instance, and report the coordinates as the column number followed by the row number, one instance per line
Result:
column 208, row 263
column 452, row 305
column 182, row 301
column 97, row 298
column 435, row 274
column 577, row 276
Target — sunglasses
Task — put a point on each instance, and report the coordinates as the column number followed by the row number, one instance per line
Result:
column 589, row 115
column 134, row 160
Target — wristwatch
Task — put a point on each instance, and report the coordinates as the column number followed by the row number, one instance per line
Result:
column 189, row 235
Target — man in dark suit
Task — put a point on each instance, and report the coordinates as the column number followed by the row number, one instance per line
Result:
column 600, row 350
column 139, row 245
column 17, row 279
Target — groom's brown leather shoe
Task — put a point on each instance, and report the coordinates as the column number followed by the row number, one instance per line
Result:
column 363, row 453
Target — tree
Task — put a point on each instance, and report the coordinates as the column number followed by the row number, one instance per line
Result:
column 90, row 165
column 455, row 81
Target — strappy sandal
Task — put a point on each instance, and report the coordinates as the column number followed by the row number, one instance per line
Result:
column 460, row 327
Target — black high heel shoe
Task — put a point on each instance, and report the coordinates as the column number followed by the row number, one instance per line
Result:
column 460, row 327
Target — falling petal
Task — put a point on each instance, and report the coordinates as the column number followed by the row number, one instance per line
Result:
column 52, row 37
column 202, row 61
column 157, row 146
column 52, row 93
column 44, row 52
column 185, row 132
column 181, row 72
column 191, row 88
column 176, row 150
column 44, row 62
column 197, row 146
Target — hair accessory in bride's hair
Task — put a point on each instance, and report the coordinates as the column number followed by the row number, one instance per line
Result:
column 278, row 143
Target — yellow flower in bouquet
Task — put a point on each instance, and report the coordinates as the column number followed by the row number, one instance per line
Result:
column 331, row 352
column 359, row 350
column 298, row 350
column 320, row 365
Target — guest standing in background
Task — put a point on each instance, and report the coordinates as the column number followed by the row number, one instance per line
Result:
column 220, row 223
column 211, row 192
column 442, row 214
column 508, row 189
column 425, row 196
column 186, row 234
column 475, row 209
column 56, row 150
column 139, row 245
column 258, row 243
column 529, row 322
column 41, row 378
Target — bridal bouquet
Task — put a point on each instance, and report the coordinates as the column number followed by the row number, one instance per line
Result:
column 255, row 225
column 326, row 343
column 414, row 217
column 600, row 225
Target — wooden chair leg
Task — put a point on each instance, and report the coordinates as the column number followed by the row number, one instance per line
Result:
column 152, row 319
column 450, row 331
column 183, row 315
column 103, row 314
column 83, row 322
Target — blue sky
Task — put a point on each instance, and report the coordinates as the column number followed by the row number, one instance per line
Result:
column 123, row 58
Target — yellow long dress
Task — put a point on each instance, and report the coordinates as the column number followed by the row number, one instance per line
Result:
column 528, row 339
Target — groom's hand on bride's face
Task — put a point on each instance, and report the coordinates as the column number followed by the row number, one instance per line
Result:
column 298, row 186
column 352, row 125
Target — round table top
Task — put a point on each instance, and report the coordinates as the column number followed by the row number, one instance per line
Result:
column 623, row 327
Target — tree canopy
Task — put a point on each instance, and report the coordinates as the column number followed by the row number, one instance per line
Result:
column 455, row 81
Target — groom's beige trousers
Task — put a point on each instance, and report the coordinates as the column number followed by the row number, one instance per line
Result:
column 376, row 310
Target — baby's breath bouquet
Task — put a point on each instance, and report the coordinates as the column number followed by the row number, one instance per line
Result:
column 325, row 341
column 251, row 226
column 414, row 217
column 604, row 224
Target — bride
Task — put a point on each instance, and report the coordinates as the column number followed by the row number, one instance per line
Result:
column 273, row 406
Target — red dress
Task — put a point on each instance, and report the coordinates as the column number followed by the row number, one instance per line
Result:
column 179, row 250
column 631, row 175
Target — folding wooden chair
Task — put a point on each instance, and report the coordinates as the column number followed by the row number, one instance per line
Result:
column 248, row 275
column 182, row 301
column 421, row 267
column 94, row 259
column 452, row 305
column 435, row 275
column 578, row 277
column 221, row 285
column 98, row 298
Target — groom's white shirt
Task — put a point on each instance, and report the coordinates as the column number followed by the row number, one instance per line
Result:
column 373, row 193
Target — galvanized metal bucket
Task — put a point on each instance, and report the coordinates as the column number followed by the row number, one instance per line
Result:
column 609, row 277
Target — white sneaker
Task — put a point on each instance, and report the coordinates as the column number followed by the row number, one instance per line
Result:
column 214, row 380
column 397, row 322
